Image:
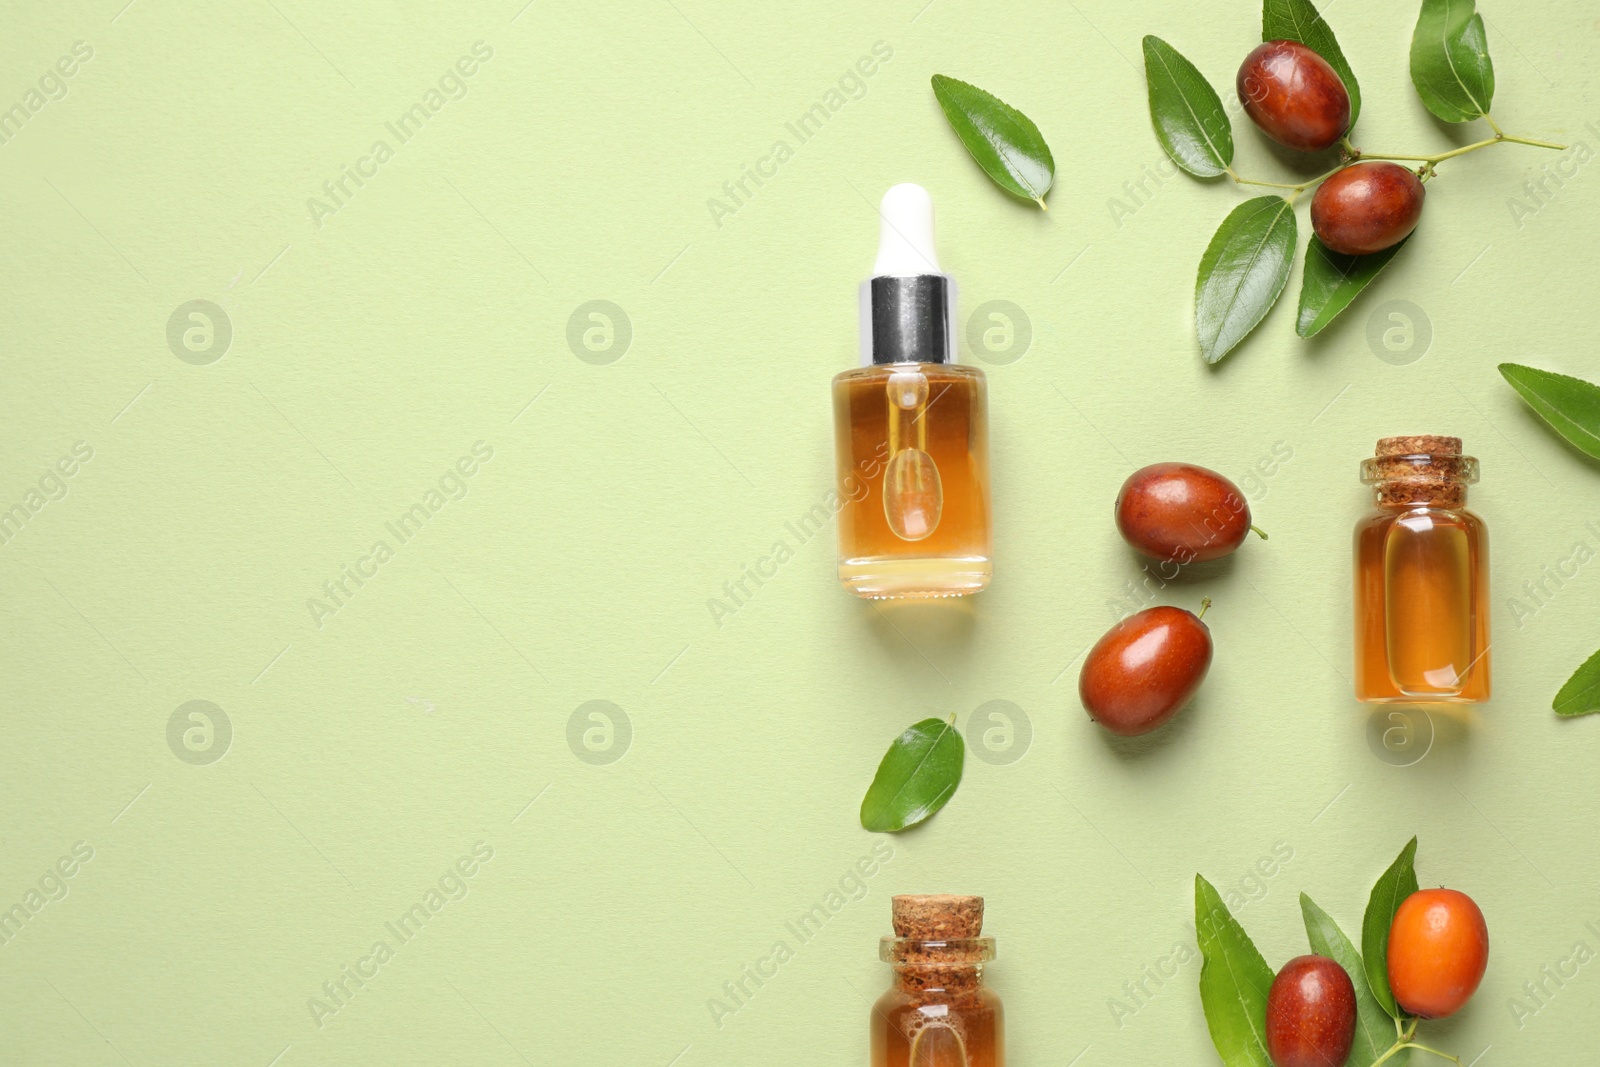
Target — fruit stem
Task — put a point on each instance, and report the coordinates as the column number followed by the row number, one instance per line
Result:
column 1535, row 144
column 1405, row 1043
column 1440, row 158
column 1295, row 189
column 1435, row 1052
column 1354, row 154
column 1258, row 531
column 1251, row 181
column 1498, row 138
column 1394, row 1049
column 1205, row 606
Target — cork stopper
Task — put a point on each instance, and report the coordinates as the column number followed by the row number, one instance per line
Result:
column 937, row 916
column 1421, row 444
column 1420, row 470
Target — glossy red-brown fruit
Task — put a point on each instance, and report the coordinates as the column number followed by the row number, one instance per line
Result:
column 1438, row 951
column 1145, row 669
column 1367, row 207
column 1294, row 96
column 1311, row 1014
column 1182, row 513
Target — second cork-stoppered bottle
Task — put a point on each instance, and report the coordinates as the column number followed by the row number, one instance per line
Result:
column 937, row 1011
column 1421, row 577
column 911, row 427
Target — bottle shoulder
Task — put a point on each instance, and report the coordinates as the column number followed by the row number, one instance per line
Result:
column 1383, row 516
column 934, row 372
column 897, row 999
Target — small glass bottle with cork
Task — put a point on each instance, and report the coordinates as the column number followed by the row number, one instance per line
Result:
column 937, row 1012
column 1421, row 577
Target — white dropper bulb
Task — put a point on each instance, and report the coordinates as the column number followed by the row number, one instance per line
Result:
column 905, row 233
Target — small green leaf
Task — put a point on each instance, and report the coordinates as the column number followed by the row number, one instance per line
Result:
column 1243, row 273
column 1374, row 1029
column 1333, row 280
column 1004, row 141
column 1570, row 405
column 1581, row 694
column 1397, row 883
column 1234, row 981
column 918, row 774
column 1186, row 112
column 1450, row 64
column 1299, row 20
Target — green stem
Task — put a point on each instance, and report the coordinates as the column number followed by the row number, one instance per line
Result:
column 1440, row 158
column 1394, row 1050
column 1535, row 144
column 1296, row 189
column 1269, row 185
column 1435, row 1052
column 1251, row 181
column 1205, row 606
column 1499, row 138
column 1405, row 1043
column 1259, row 532
column 1354, row 154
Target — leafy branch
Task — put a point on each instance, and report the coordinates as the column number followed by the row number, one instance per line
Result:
column 1454, row 78
column 1235, row 981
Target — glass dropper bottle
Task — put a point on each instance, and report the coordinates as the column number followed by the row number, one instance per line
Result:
column 911, row 427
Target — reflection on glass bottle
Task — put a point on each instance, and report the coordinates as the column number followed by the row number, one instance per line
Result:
column 911, row 428
column 1422, row 577
column 937, row 1012
column 913, row 497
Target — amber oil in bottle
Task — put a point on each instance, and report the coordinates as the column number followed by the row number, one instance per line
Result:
column 1421, row 577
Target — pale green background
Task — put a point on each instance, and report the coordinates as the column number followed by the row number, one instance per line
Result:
column 372, row 352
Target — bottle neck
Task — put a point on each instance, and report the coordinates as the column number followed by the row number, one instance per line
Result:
column 1398, row 496
column 937, row 969
column 908, row 320
column 940, row 981
column 1419, row 480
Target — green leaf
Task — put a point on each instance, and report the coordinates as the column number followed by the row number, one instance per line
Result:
column 1234, row 981
column 1397, row 883
column 1186, row 112
column 1333, row 280
column 1299, row 20
column 1374, row 1029
column 1243, row 272
column 1004, row 141
column 1570, row 405
column 918, row 774
column 1450, row 64
column 1581, row 694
